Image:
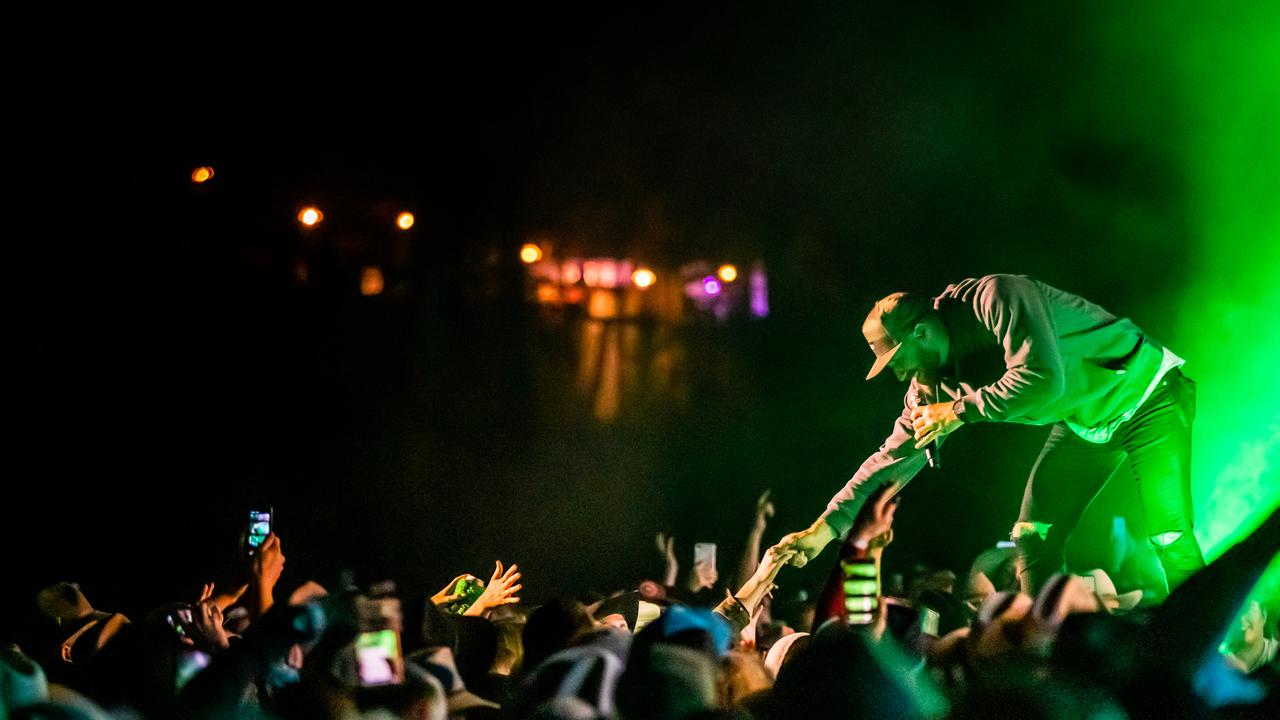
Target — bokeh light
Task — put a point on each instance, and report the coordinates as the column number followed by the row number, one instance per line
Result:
column 202, row 174
column 710, row 285
column 728, row 273
column 530, row 253
column 404, row 220
column 643, row 278
column 310, row 216
column 371, row 281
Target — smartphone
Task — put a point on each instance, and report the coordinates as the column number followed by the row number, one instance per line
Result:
column 259, row 528
column 929, row 621
column 861, row 590
column 705, row 552
column 379, row 654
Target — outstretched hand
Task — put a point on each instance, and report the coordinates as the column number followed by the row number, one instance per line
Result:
column 501, row 590
column 875, row 517
column 667, row 549
column 801, row 547
column 764, row 508
column 207, row 618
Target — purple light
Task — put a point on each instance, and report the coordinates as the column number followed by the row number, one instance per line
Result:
column 759, row 291
column 710, row 285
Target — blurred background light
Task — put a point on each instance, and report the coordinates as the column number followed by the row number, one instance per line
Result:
column 310, row 216
column 404, row 220
column 643, row 278
column 710, row 285
column 728, row 273
column 371, row 281
column 202, row 174
column 530, row 253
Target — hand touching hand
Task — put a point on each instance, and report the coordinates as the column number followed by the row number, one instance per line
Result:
column 501, row 590
column 803, row 546
column 704, row 575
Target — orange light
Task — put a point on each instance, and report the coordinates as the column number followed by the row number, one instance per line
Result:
column 728, row 273
column 530, row 253
column 371, row 281
column 404, row 220
column 310, row 216
column 643, row 278
column 201, row 174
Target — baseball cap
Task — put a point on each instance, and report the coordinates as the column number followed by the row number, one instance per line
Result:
column 889, row 322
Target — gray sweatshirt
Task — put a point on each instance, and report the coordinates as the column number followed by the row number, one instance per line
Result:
column 1023, row 352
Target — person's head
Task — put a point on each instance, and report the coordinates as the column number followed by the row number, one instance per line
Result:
column 742, row 675
column 551, row 628
column 907, row 336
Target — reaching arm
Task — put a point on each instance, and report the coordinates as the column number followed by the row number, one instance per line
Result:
column 897, row 461
column 751, row 553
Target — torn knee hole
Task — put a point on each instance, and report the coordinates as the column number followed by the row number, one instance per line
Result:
column 1165, row 539
column 1021, row 529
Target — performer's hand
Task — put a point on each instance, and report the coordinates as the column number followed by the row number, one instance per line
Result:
column 805, row 545
column 933, row 421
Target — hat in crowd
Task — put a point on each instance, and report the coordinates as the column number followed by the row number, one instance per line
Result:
column 439, row 663
column 858, row 677
column 589, row 673
column 890, row 321
column 778, row 653
column 1106, row 592
column 696, row 628
column 667, row 681
column 625, row 604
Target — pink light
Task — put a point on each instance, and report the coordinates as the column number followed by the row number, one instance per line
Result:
column 710, row 285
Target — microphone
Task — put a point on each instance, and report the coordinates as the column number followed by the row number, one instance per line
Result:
column 930, row 450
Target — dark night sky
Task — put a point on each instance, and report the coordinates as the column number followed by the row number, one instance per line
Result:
column 170, row 372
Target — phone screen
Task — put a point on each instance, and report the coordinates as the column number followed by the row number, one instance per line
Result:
column 259, row 529
column 704, row 552
column 378, row 657
column 929, row 622
column 861, row 590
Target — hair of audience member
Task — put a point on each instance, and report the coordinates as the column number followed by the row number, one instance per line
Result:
column 552, row 628
column 474, row 652
column 437, row 629
column 742, row 674
column 510, row 650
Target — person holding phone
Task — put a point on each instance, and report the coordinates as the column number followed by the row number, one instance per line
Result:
column 1009, row 348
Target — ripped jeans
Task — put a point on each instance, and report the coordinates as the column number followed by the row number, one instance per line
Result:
column 1156, row 441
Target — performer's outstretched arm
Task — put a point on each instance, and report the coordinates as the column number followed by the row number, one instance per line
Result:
column 897, row 461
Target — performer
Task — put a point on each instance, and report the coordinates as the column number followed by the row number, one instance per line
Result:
column 1008, row 348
